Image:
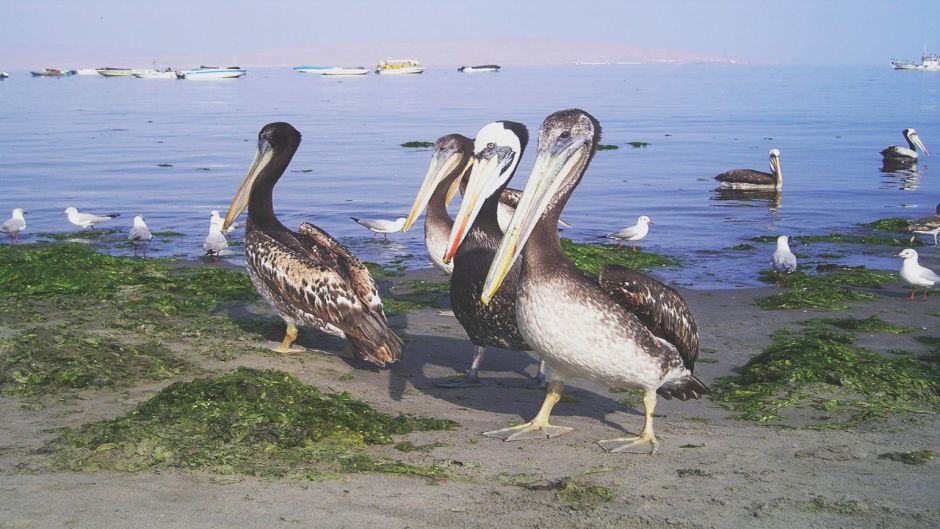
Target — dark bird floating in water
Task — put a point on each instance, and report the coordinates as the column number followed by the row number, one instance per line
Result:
column 307, row 275
column 896, row 156
column 754, row 179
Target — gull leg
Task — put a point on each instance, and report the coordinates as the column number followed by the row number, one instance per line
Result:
column 913, row 288
column 289, row 336
column 472, row 380
column 646, row 436
column 925, row 293
column 539, row 427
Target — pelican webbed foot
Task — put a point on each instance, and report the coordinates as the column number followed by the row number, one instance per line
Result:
column 286, row 347
column 529, row 430
column 625, row 444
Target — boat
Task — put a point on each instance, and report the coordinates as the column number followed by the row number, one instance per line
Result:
column 214, row 72
column 52, row 72
column 312, row 69
column 928, row 62
column 4, row 75
column 116, row 72
column 479, row 68
column 87, row 71
column 399, row 67
column 157, row 74
column 345, row 71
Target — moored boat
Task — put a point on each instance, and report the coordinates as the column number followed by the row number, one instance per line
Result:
column 479, row 68
column 312, row 69
column 157, row 74
column 4, row 75
column 928, row 62
column 214, row 72
column 116, row 72
column 52, row 72
column 87, row 71
column 345, row 71
column 399, row 67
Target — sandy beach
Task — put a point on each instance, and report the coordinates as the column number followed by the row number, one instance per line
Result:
column 712, row 471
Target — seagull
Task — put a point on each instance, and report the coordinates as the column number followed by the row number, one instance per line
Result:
column 217, row 219
column 632, row 233
column 87, row 220
column 916, row 275
column 15, row 224
column 215, row 242
column 783, row 259
column 381, row 225
column 140, row 235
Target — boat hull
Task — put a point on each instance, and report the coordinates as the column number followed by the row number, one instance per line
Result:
column 116, row 72
column 216, row 73
column 345, row 72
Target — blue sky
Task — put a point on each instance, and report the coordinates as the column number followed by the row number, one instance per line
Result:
column 77, row 33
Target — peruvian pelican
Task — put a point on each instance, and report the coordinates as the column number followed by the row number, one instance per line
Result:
column 754, row 179
column 897, row 156
column 929, row 225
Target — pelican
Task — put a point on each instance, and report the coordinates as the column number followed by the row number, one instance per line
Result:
column 621, row 329
column 633, row 233
column 381, row 225
column 753, row 179
column 929, row 225
column 308, row 276
column 474, row 238
column 15, row 224
column 139, row 235
column 87, row 220
column 783, row 259
column 897, row 156
column 915, row 274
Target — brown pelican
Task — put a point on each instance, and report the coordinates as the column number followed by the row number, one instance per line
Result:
column 753, row 179
column 926, row 226
column 896, row 156
column 621, row 329
column 473, row 240
column 307, row 275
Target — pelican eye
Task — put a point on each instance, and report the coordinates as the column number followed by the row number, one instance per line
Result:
column 566, row 134
column 490, row 145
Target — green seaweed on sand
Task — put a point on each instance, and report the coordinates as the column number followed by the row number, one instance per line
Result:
column 264, row 423
column 911, row 457
column 825, row 291
column 593, row 257
column 897, row 224
column 607, row 147
column 574, row 492
column 869, row 324
column 418, row 144
column 823, row 368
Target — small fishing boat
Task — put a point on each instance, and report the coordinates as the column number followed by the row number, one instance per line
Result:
column 87, row 71
column 399, row 67
column 345, row 71
column 479, row 68
column 52, row 72
column 214, row 72
column 157, row 74
column 116, row 72
column 312, row 69
column 4, row 75
column 928, row 62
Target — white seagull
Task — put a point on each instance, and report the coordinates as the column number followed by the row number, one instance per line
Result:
column 216, row 219
column 15, row 224
column 215, row 241
column 381, row 225
column 916, row 275
column 632, row 233
column 140, row 235
column 87, row 220
column 783, row 259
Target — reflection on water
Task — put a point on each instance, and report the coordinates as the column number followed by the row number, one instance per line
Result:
column 905, row 178
column 749, row 198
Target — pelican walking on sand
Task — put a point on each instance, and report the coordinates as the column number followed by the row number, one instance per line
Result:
column 929, row 225
column 15, row 224
column 622, row 329
column 783, row 260
column 916, row 275
column 632, row 233
column 896, row 156
column 754, row 179
column 87, row 220
column 139, row 236
column 308, row 276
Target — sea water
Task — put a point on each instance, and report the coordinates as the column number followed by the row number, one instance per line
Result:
column 174, row 150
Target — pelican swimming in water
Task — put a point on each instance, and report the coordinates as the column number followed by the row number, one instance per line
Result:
column 897, row 156
column 307, row 275
column 754, row 179
column 15, row 224
column 622, row 329
column 473, row 240
column 929, row 225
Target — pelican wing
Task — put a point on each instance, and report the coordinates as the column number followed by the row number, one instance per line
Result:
column 660, row 308
column 747, row 176
column 510, row 197
column 924, row 224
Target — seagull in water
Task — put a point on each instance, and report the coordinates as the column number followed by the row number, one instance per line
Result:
column 381, row 225
column 916, row 275
column 87, row 220
column 215, row 242
column 783, row 260
column 216, row 219
column 15, row 224
column 632, row 233
column 140, row 235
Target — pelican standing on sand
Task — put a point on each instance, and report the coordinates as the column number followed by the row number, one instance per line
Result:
column 783, row 260
column 915, row 274
column 87, row 220
column 754, row 179
column 632, row 233
column 308, row 276
column 15, row 224
column 622, row 329
column 929, row 225
column 139, row 235
column 473, row 240
column 897, row 156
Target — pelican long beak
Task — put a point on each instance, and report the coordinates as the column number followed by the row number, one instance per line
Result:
column 262, row 158
column 442, row 163
column 920, row 145
column 549, row 173
column 483, row 174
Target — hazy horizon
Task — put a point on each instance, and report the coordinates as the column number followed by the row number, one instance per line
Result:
column 177, row 33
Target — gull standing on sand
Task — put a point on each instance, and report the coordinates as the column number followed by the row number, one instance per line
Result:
column 916, row 275
column 632, row 233
column 381, row 225
column 929, row 225
column 783, row 260
column 87, row 220
column 140, row 235
column 215, row 241
column 15, row 224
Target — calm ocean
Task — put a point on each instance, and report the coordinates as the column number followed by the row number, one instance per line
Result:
column 98, row 144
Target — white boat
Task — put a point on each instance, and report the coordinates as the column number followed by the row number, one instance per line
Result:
column 312, row 69
column 86, row 71
column 52, row 72
column 115, row 72
column 345, row 71
column 928, row 62
column 399, row 67
column 479, row 68
column 157, row 74
column 214, row 72
column 4, row 75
